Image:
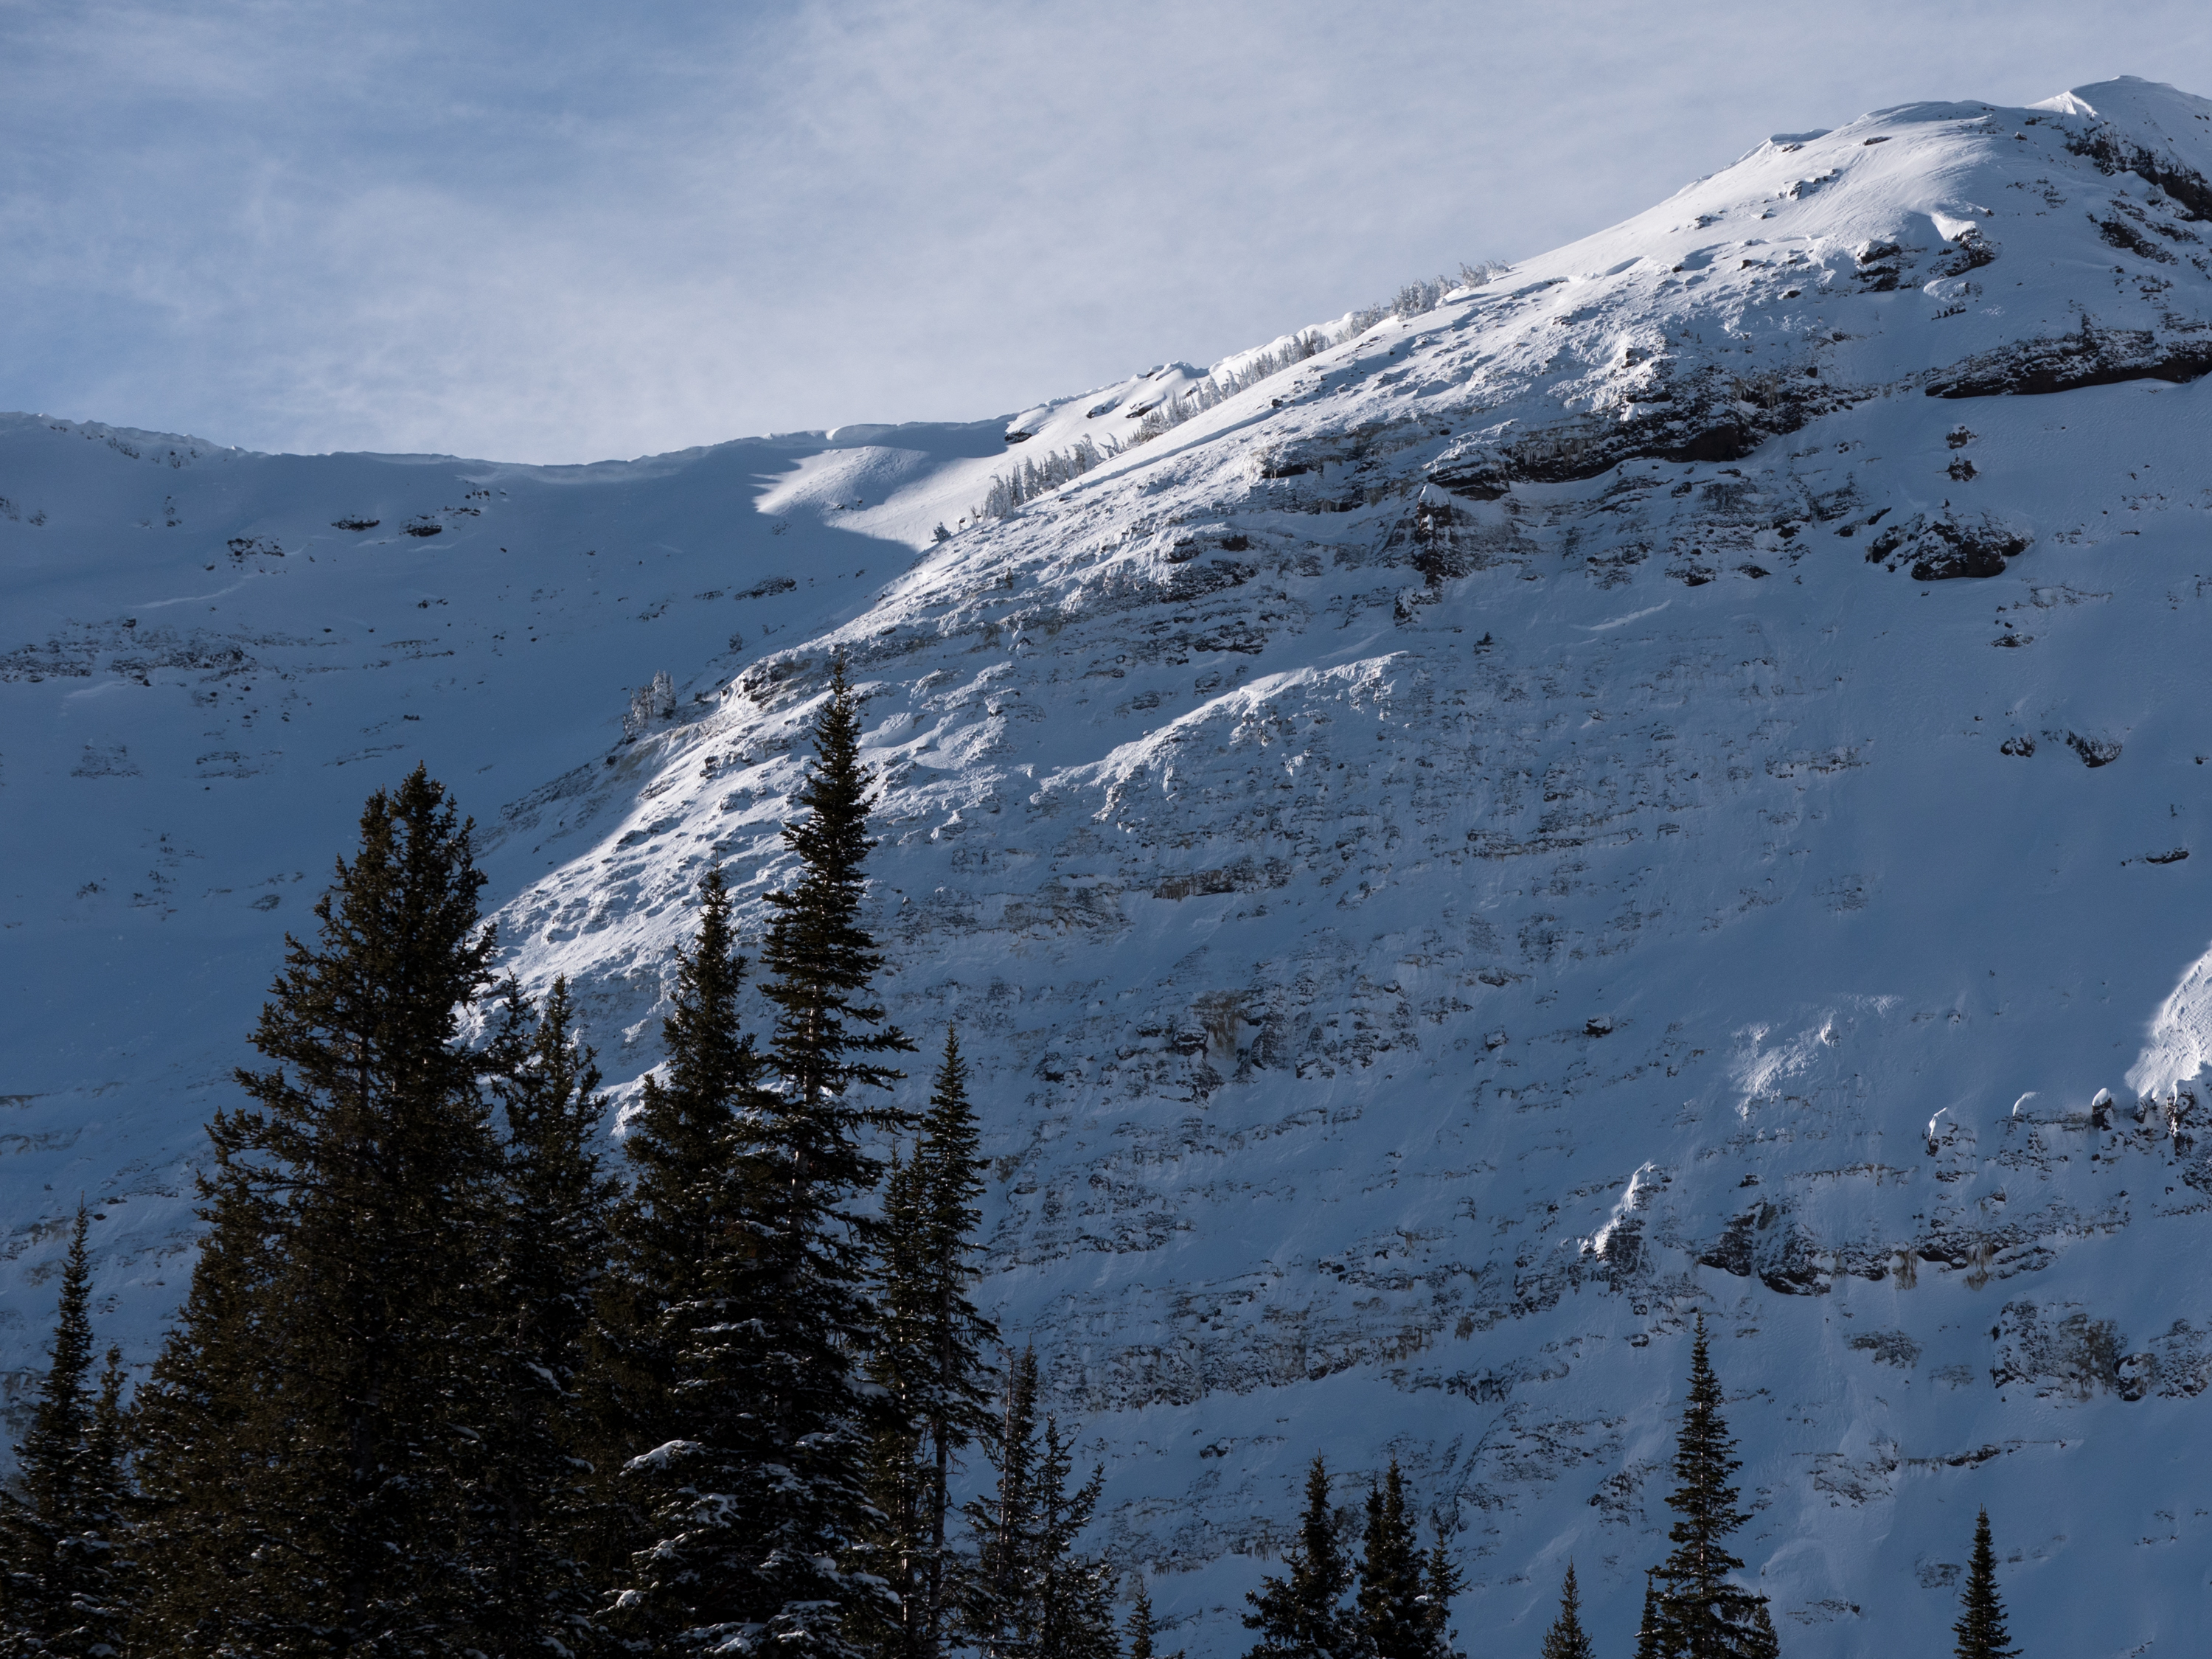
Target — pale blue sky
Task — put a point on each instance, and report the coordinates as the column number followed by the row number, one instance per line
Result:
column 561, row 232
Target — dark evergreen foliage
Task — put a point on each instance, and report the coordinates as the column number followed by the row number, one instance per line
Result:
column 745, row 1318
column 1981, row 1627
column 821, row 962
column 1565, row 1639
column 1034, row 1596
column 1403, row 1605
column 682, row 1148
column 1004, row 1520
column 897, row 1625
column 1651, row 1629
column 204, row 1445
column 1140, row 1635
column 1439, row 1589
column 543, row 1518
column 311, row 1427
column 1702, row 1614
column 1389, row 1599
column 1302, row 1615
column 757, row 1318
column 930, row 1360
column 1761, row 1642
column 65, row 1570
column 736, row 1313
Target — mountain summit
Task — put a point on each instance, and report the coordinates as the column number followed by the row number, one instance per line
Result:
column 1663, row 780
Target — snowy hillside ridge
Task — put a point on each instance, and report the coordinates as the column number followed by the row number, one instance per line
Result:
column 1673, row 780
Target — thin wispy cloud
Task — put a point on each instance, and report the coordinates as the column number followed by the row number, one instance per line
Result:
column 561, row 232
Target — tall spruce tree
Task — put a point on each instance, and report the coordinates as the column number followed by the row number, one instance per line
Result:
column 822, row 962
column 761, row 1518
column 674, row 1231
column 543, row 1516
column 1074, row 1591
column 1302, row 1615
column 205, row 1439
column 1004, row 1520
column 1403, row 1604
column 311, row 1425
column 1389, row 1591
column 1034, row 1595
column 685, row 1369
column 685, row 1197
column 1565, row 1639
column 896, row 1626
column 1702, row 1613
column 65, row 1573
column 1981, row 1627
column 930, row 1357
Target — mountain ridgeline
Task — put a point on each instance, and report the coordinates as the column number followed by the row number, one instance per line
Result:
column 1665, row 782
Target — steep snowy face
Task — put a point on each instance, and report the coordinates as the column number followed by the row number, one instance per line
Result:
column 1666, row 781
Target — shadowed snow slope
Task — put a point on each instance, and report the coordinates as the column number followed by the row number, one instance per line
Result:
column 1666, row 781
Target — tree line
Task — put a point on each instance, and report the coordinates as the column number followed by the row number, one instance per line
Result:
column 443, row 1384
column 1394, row 1605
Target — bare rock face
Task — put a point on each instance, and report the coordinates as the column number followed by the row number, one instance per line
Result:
column 1942, row 546
column 2093, row 357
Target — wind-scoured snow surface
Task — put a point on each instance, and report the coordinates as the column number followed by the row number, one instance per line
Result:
column 1667, row 782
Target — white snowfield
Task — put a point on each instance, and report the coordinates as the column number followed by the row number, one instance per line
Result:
column 1667, row 781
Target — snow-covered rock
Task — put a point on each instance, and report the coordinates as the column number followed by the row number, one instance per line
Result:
column 1664, row 782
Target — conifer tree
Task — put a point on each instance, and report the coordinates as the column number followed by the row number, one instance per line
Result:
column 1440, row 1587
column 710, row 1345
column 1139, row 1631
column 1761, row 1642
column 1702, row 1613
column 204, row 1439
column 1004, row 1521
column 762, row 1510
column 1981, row 1627
column 1403, row 1602
column 1651, row 1637
column 1565, row 1639
column 759, row 1479
column 1034, row 1596
column 683, row 1148
column 1074, row 1591
column 543, row 1519
column 821, row 962
column 64, row 1570
column 897, row 1625
column 1140, row 1635
column 929, row 1356
column 1302, row 1615
column 312, row 1421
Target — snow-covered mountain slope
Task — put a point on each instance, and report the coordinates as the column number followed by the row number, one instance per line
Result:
column 1664, row 782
